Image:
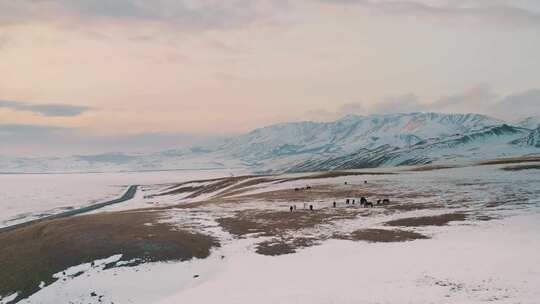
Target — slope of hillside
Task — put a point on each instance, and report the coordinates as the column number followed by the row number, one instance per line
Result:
column 534, row 138
column 488, row 143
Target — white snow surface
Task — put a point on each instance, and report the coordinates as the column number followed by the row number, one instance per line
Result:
column 25, row 197
column 473, row 261
column 494, row 262
column 466, row 265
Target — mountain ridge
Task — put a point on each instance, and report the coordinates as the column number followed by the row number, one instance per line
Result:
column 353, row 141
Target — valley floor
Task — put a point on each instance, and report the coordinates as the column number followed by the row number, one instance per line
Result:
column 447, row 235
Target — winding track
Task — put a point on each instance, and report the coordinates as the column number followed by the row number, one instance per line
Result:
column 129, row 194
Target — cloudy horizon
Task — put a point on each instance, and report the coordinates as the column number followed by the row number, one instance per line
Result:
column 132, row 75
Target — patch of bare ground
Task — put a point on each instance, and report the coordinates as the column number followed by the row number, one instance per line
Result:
column 436, row 220
column 511, row 160
column 218, row 184
column 329, row 193
column 381, row 235
column 280, row 223
column 182, row 188
column 332, row 174
column 485, row 218
column 508, row 201
column 277, row 246
column 244, row 186
column 522, row 167
column 409, row 206
column 431, row 168
column 33, row 254
column 319, row 192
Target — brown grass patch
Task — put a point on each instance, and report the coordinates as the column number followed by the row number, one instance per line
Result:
column 280, row 246
column 33, row 254
column 431, row 168
column 522, row 167
column 332, row 174
column 411, row 206
column 279, row 223
column 437, row 220
column 382, row 235
column 220, row 183
column 319, row 192
column 511, row 160
column 243, row 186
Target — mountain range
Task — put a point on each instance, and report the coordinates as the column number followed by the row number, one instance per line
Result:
column 351, row 142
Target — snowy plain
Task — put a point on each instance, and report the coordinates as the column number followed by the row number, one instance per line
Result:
column 25, row 197
column 472, row 261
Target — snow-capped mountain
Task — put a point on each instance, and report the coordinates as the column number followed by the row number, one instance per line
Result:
column 351, row 142
column 487, row 143
column 351, row 133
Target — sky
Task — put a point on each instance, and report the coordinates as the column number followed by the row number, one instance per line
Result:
column 88, row 75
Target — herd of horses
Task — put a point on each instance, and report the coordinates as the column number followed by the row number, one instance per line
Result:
column 363, row 202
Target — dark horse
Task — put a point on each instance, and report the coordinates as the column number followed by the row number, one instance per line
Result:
column 363, row 201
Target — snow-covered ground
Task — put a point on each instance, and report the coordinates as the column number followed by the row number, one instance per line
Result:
column 471, row 261
column 494, row 261
column 28, row 196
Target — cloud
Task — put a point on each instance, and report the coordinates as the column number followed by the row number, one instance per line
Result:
column 30, row 132
column 200, row 14
column 59, row 110
column 4, row 41
column 212, row 14
column 398, row 104
column 498, row 12
column 517, row 106
column 348, row 108
column 352, row 108
column 44, row 140
column 476, row 99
